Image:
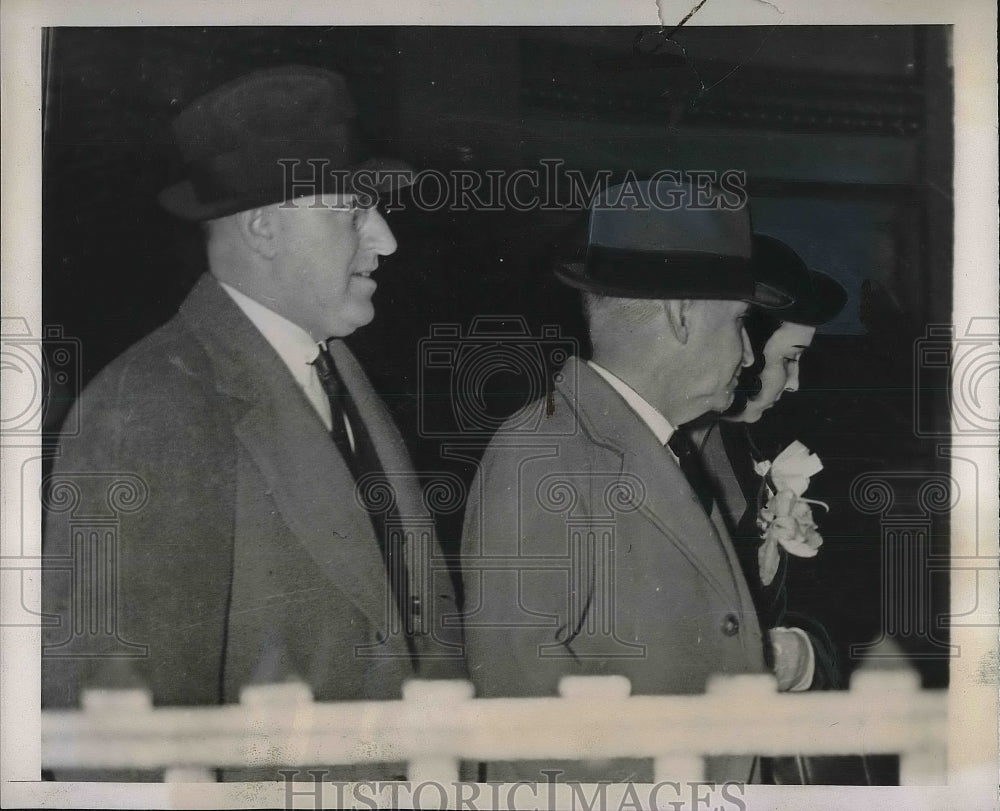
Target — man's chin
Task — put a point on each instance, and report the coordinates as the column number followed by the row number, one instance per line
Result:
column 357, row 318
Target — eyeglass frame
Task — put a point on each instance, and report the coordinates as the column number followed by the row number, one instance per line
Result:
column 355, row 207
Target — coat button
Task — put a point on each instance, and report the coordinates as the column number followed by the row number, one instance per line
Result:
column 731, row 625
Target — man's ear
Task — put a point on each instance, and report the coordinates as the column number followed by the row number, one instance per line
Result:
column 258, row 228
column 679, row 313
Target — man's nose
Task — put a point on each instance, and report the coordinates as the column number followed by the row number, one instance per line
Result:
column 747, row 349
column 378, row 235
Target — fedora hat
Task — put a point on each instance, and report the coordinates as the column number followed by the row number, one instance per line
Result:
column 818, row 297
column 271, row 136
column 649, row 239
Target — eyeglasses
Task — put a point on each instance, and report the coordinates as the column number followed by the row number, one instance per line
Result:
column 361, row 208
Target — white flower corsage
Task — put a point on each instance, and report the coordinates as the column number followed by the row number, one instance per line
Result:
column 786, row 519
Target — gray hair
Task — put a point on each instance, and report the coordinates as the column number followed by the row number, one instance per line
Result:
column 607, row 315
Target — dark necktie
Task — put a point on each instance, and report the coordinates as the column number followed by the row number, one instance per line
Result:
column 364, row 464
column 690, row 461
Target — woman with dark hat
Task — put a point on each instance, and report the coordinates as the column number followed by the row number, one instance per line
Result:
column 763, row 501
column 746, row 481
column 780, row 337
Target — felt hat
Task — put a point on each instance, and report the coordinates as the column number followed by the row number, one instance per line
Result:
column 668, row 240
column 271, row 136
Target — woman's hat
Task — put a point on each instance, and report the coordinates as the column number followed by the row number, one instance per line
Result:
column 818, row 297
column 271, row 136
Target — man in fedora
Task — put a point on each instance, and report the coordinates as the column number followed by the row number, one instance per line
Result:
column 592, row 546
column 275, row 525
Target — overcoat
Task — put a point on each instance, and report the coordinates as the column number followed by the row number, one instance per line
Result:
column 586, row 552
column 206, row 492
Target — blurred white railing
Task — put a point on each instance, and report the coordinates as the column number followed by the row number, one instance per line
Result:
column 438, row 723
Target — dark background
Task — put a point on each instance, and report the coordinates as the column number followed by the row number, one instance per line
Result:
column 845, row 135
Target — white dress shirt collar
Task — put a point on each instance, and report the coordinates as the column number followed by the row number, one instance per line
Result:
column 656, row 422
column 293, row 345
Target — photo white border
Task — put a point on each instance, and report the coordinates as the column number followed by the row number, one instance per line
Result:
column 973, row 691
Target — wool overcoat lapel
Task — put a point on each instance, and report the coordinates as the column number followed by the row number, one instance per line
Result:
column 668, row 502
column 290, row 445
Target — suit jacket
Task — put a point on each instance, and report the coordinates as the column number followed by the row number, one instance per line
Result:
column 586, row 552
column 239, row 553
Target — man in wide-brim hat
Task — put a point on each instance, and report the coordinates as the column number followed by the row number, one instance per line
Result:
column 244, row 424
column 651, row 588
